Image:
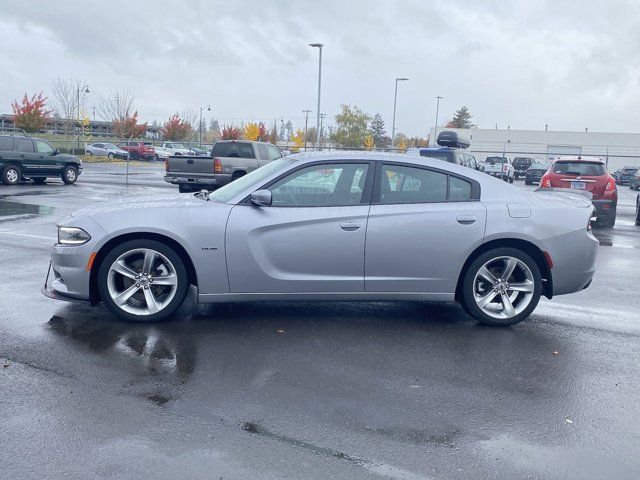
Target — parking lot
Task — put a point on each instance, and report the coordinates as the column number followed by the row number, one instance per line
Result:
column 396, row 390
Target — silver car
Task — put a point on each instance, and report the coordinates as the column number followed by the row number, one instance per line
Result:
column 106, row 150
column 332, row 226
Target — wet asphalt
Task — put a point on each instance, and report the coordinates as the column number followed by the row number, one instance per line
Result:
column 310, row 390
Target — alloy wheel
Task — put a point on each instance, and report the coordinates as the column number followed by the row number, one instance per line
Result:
column 12, row 175
column 142, row 281
column 503, row 287
column 71, row 174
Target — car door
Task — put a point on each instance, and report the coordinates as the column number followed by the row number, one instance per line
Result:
column 26, row 154
column 423, row 224
column 47, row 158
column 310, row 239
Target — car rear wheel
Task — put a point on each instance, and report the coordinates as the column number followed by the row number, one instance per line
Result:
column 11, row 175
column 638, row 211
column 89, row 153
column 142, row 281
column 109, row 155
column 39, row 180
column 501, row 287
column 69, row 175
column 184, row 188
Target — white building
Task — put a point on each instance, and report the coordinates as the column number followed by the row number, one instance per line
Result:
column 617, row 149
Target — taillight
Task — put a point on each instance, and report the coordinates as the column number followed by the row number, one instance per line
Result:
column 217, row 165
column 611, row 185
column 545, row 181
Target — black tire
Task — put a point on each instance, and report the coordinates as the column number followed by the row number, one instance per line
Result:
column 468, row 288
column 88, row 153
column 134, row 155
column 610, row 221
column 69, row 175
column 11, row 174
column 528, row 182
column 155, row 157
column 39, row 180
column 184, row 188
column 237, row 174
column 180, row 271
column 110, row 156
column 638, row 211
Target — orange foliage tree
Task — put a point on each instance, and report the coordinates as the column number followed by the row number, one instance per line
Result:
column 128, row 127
column 176, row 128
column 31, row 114
column 230, row 133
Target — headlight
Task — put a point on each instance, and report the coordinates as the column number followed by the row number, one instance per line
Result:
column 72, row 236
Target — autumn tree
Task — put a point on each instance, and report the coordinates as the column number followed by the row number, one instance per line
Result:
column 401, row 141
column 176, row 128
column 351, row 127
column 128, row 127
column 230, row 133
column 30, row 115
column 263, row 133
column 378, row 132
column 369, row 142
column 461, row 119
column 298, row 140
column 251, row 131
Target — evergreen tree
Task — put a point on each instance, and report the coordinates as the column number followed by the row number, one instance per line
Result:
column 461, row 119
column 289, row 129
column 378, row 132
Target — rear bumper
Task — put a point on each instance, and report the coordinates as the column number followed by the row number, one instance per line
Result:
column 574, row 261
column 184, row 179
column 605, row 208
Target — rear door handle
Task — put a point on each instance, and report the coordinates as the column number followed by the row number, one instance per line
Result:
column 466, row 220
column 350, row 226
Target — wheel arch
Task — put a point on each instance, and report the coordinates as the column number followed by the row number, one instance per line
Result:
column 94, row 294
column 527, row 247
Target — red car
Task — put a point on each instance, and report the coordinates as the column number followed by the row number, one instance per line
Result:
column 138, row 150
column 590, row 174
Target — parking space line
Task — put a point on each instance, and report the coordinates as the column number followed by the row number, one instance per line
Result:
column 29, row 235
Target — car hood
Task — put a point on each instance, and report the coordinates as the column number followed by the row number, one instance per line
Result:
column 157, row 202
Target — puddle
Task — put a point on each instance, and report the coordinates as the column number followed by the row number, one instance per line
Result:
column 17, row 211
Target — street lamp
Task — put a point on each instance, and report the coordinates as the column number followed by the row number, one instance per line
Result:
column 435, row 129
column 208, row 107
column 84, row 90
column 319, row 47
column 395, row 99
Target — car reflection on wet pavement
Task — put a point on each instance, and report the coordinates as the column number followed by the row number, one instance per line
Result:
column 400, row 390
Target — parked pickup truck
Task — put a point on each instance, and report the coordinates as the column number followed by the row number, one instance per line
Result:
column 229, row 160
column 500, row 167
column 173, row 148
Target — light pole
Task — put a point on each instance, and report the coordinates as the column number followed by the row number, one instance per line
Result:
column 85, row 90
column 435, row 129
column 208, row 107
column 395, row 100
column 319, row 47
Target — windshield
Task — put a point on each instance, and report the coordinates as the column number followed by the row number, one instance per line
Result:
column 587, row 169
column 230, row 190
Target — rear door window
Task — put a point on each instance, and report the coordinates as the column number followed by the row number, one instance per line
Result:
column 233, row 149
column 44, row 147
column 24, row 145
column 6, row 143
column 401, row 184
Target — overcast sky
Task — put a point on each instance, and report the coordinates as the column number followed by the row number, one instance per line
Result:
column 571, row 64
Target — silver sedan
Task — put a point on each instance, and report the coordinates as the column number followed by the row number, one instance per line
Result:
column 105, row 150
column 332, row 226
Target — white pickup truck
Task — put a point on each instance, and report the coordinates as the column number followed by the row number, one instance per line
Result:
column 500, row 167
column 171, row 148
column 229, row 160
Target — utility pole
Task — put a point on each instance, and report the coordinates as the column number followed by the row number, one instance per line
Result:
column 319, row 47
column 322, row 115
column 435, row 129
column 306, row 121
column 395, row 101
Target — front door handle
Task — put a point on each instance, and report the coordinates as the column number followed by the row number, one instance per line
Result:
column 350, row 226
column 466, row 219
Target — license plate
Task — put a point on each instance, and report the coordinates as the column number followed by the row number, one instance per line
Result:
column 580, row 185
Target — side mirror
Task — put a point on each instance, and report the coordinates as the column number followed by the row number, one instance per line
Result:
column 261, row 198
column 56, row 151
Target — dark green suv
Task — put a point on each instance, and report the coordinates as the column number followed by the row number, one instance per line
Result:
column 24, row 157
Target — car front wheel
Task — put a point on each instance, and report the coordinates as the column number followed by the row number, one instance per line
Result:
column 142, row 281
column 638, row 211
column 69, row 175
column 501, row 287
